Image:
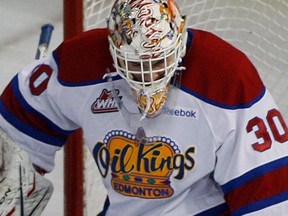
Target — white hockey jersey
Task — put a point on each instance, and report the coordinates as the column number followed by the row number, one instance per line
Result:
column 219, row 147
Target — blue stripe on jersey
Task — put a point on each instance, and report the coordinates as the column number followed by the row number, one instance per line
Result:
column 253, row 174
column 105, row 208
column 189, row 41
column 224, row 106
column 258, row 205
column 26, row 129
column 217, row 210
column 30, row 109
column 56, row 59
column 75, row 84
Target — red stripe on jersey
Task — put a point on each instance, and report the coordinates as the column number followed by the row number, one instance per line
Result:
column 11, row 212
column 33, row 187
column 265, row 186
column 32, row 119
column 84, row 58
column 217, row 71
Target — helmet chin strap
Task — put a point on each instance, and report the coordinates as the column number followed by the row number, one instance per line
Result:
column 184, row 37
column 148, row 104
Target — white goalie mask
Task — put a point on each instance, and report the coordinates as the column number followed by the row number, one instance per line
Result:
column 146, row 45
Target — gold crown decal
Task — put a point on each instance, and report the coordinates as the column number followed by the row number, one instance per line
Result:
column 141, row 166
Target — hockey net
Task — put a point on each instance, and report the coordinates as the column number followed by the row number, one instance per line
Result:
column 257, row 27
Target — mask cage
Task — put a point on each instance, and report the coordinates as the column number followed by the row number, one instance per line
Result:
column 170, row 57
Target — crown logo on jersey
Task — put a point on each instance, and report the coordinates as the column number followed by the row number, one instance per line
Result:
column 141, row 166
column 106, row 102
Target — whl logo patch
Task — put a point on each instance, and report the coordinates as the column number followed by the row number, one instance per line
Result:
column 105, row 102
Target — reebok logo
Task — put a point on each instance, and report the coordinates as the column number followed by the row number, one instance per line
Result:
column 105, row 102
column 180, row 112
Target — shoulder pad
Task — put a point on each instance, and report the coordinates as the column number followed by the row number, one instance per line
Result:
column 220, row 74
column 84, row 59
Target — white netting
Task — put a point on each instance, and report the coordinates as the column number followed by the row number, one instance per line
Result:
column 257, row 27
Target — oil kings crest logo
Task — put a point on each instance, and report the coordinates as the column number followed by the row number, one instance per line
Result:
column 106, row 102
column 142, row 166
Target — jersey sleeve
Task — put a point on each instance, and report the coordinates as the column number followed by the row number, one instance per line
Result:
column 32, row 112
column 252, row 162
column 43, row 103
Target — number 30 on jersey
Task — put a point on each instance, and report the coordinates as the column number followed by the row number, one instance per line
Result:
column 278, row 128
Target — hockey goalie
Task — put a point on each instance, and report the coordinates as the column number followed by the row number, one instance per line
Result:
column 23, row 188
column 178, row 120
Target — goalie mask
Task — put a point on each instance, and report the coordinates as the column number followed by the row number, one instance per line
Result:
column 146, row 45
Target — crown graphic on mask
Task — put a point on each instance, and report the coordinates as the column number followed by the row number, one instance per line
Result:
column 141, row 166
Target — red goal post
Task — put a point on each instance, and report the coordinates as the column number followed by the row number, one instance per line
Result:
column 73, row 150
column 257, row 27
